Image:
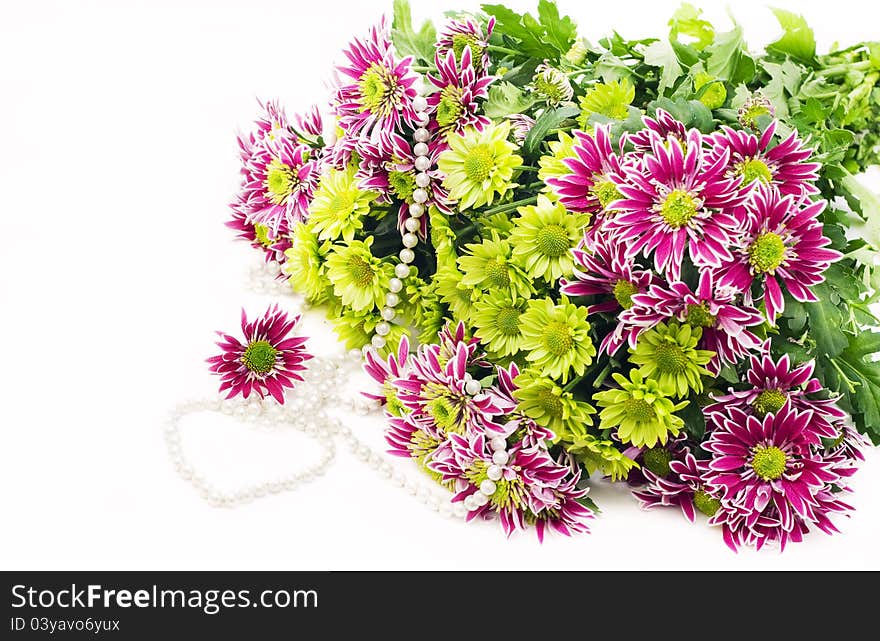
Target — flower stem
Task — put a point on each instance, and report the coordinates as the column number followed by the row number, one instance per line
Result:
column 500, row 209
column 525, row 168
column 571, row 384
column 500, row 49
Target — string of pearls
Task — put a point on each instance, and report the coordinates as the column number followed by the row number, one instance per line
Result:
column 410, row 237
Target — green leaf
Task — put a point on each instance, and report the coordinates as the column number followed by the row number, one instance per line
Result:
column 661, row 54
column 407, row 41
column 694, row 420
column 546, row 124
column 858, row 363
column 797, row 40
column 549, row 36
column 869, row 206
column 826, row 321
column 812, row 111
column 687, row 21
column 725, row 54
column 506, row 99
column 561, row 31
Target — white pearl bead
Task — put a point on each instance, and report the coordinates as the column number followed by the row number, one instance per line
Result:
column 494, row 472
column 366, row 349
column 354, row 354
column 391, row 300
column 395, row 285
column 420, row 149
column 487, row 487
column 407, row 255
column 388, row 313
column 383, row 329
column 419, row 103
column 378, row 342
column 416, row 210
column 500, row 457
column 412, row 224
column 469, row 503
column 410, row 240
column 472, row 387
column 422, row 118
column 423, row 179
column 401, row 270
column 421, row 135
column 422, row 163
column 498, row 443
column 481, row 499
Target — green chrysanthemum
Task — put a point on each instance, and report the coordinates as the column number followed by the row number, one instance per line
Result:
column 597, row 454
column 422, row 305
column 339, row 205
column 557, row 337
column 479, row 165
column 356, row 329
column 640, row 409
column 541, row 399
column 459, row 297
column 669, row 355
column 552, row 165
column 543, row 237
column 306, row 264
column 488, row 267
column 610, row 99
column 359, row 279
column 498, row 323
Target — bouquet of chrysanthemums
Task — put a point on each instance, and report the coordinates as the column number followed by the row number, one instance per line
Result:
column 645, row 261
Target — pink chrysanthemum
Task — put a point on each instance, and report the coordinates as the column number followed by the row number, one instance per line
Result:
column 272, row 244
column 775, row 384
column 592, row 185
column 712, row 307
column 454, row 104
column 458, row 35
column 676, row 200
column 531, row 433
column 769, row 463
column 533, row 488
column 382, row 90
column 520, row 126
column 663, row 126
column 268, row 361
column 781, row 241
column 683, row 486
column 383, row 372
column 751, row 158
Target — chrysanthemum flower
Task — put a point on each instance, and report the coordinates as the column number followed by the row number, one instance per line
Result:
column 462, row 299
column 359, row 279
column 273, row 245
column 382, row 90
column 409, row 439
column 543, row 236
column 557, row 337
column 459, row 86
column 775, row 384
column 356, row 329
column 268, row 361
column 769, row 462
column 488, row 265
column 783, row 165
column 552, row 166
column 459, row 35
column 678, row 200
column 479, row 165
column 609, row 99
column 668, row 354
column 594, row 173
column 754, row 107
column 681, row 486
column 712, row 308
column 551, row 85
column 339, row 205
column 662, row 126
column 781, row 241
column 497, row 322
column 383, row 372
column 640, row 410
column 521, row 125
column 306, row 264
column 542, row 400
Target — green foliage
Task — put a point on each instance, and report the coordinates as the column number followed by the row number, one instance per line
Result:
column 545, row 126
column 407, row 40
column 687, row 21
column 797, row 40
column 548, row 36
column 506, row 99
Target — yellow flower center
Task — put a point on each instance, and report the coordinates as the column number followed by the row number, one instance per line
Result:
column 767, row 252
column 450, row 108
column 639, row 410
column 670, row 358
column 657, row 460
column 402, row 183
column 705, row 503
column 262, row 234
column 700, row 316
column 605, row 191
column 507, row 320
column 281, row 180
column 259, row 357
column 623, row 293
column 753, row 169
column 361, row 271
column 769, row 462
column 678, row 208
column 342, row 202
column 769, row 401
column 558, row 339
column 378, row 89
column 497, row 273
column 550, row 402
column 552, row 241
column 479, row 162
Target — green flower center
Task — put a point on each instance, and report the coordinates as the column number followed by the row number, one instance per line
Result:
column 342, row 202
column 281, row 180
column 749, row 116
column 361, row 271
column 497, row 272
column 754, row 169
column 767, row 252
column 550, row 90
column 558, row 338
column 623, row 293
column 462, row 40
column 769, row 401
column 262, row 234
column 378, row 88
column 678, row 208
column 259, row 357
column 550, row 402
column 606, row 192
column 657, row 460
column 639, row 410
column 449, row 109
column 552, row 241
column 479, row 162
column 769, row 462
column 446, row 413
column 670, row 358
column 507, row 320
column 393, row 404
column 402, row 183
column 705, row 503
column 700, row 316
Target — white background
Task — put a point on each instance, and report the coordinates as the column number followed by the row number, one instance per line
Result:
column 117, row 159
